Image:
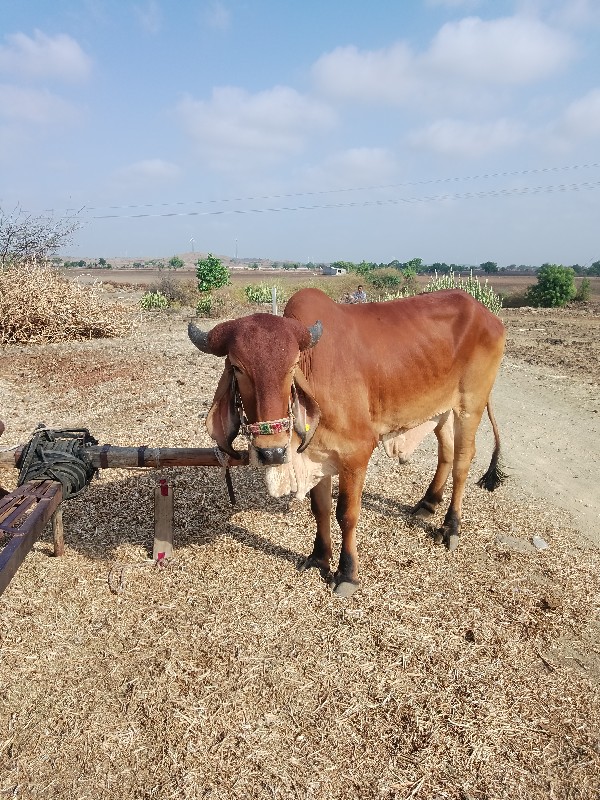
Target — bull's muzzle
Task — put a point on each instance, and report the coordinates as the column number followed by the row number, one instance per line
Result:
column 271, row 455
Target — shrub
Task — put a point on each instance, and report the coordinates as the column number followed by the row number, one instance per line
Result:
column 178, row 292
column 554, row 288
column 204, row 305
column 261, row 293
column 584, row 291
column 175, row 262
column 24, row 237
column 211, row 273
column 384, row 279
column 154, row 301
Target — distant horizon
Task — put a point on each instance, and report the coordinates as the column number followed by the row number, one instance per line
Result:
column 231, row 262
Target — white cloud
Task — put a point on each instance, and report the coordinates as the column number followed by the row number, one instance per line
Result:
column 386, row 75
column 512, row 50
column 458, row 138
column 355, row 167
column 236, row 129
column 575, row 13
column 465, row 59
column 218, row 16
column 149, row 17
column 43, row 56
column 33, row 106
column 152, row 169
column 581, row 119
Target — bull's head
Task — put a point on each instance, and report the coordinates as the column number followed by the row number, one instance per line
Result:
column 262, row 387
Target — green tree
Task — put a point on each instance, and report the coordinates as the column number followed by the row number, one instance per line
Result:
column 175, row 262
column 489, row 266
column 211, row 273
column 365, row 267
column 554, row 288
column 415, row 264
column 594, row 269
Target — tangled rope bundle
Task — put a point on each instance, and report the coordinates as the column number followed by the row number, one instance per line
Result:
column 58, row 455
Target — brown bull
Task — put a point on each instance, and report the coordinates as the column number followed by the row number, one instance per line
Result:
column 317, row 389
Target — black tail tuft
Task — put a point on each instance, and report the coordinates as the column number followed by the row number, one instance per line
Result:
column 494, row 476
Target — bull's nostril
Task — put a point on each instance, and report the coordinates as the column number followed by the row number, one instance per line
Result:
column 271, row 455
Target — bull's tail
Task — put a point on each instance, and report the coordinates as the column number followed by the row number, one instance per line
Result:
column 495, row 475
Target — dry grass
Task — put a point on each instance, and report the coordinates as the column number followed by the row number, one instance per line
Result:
column 39, row 305
column 228, row 674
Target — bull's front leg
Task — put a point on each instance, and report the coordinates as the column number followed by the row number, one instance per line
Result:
column 345, row 580
column 320, row 505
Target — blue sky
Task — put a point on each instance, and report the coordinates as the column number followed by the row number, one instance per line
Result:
column 451, row 130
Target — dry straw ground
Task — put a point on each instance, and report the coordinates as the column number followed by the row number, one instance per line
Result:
column 228, row 674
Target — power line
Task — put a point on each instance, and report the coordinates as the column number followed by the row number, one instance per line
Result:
column 522, row 190
column 427, row 182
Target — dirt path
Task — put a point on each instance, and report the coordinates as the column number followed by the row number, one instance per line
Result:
column 551, row 439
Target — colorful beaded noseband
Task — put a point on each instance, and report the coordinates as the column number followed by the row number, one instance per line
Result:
column 266, row 428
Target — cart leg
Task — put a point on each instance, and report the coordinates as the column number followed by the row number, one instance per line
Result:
column 163, row 522
column 58, row 532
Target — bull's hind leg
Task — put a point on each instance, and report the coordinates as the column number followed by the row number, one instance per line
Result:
column 465, row 428
column 444, row 431
column 320, row 505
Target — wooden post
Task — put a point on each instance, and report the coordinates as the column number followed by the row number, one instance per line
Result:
column 163, row 522
column 58, row 533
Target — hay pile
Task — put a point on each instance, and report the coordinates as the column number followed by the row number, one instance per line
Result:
column 38, row 305
column 228, row 674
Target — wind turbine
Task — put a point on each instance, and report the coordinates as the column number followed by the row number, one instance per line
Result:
column 192, row 243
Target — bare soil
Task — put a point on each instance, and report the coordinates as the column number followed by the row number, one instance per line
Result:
column 228, row 674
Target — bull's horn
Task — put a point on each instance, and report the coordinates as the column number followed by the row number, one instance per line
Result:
column 198, row 337
column 315, row 332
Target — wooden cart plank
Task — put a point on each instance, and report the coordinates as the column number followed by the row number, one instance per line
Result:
column 24, row 514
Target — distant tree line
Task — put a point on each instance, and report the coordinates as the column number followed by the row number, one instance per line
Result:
column 417, row 266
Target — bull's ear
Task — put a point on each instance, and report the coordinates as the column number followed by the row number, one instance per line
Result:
column 223, row 420
column 306, row 411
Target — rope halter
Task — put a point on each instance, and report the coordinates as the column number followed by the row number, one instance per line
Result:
column 267, row 428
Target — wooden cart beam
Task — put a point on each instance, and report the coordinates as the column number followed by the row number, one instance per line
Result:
column 109, row 456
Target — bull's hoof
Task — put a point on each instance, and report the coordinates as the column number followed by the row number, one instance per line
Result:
column 343, row 587
column 425, row 509
column 422, row 512
column 444, row 536
column 312, row 562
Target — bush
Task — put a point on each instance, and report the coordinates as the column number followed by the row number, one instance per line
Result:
column 211, row 273
column 554, row 288
column 384, row 279
column 584, row 291
column 175, row 262
column 259, row 293
column 154, row 301
column 178, row 292
column 204, row 305
column 26, row 238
